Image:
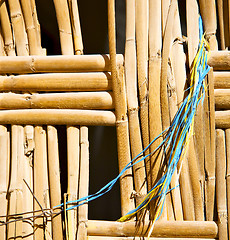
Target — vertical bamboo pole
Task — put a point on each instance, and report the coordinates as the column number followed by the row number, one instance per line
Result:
column 124, row 158
column 221, row 23
column 39, row 137
column 64, row 26
column 35, row 18
column 54, row 180
column 2, row 50
column 27, row 227
column 18, row 28
column 3, row 178
column 6, row 30
column 155, row 124
column 132, row 101
column 83, row 183
column 221, row 184
column 141, row 16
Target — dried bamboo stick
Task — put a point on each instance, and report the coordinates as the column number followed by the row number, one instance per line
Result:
column 54, row 180
column 6, row 30
column 39, row 175
column 73, row 163
column 141, row 22
column 83, row 183
column 164, row 229
column 57, row 82
column 222, row 119
column 222, row 98
column 130, row 238
column 221, row 79
column 27, row 227
column 33, row 64
column 2, row 50
column 219, row 60
column 76, row 27
column 34, row 43
column 18, row 28
column 3, row 178
column 132, row 101
column 58, row 117
column 126, row 181
column 83, row 100
column 63, row 19
column 221, row 23
column 209, row 21
column 221, row 184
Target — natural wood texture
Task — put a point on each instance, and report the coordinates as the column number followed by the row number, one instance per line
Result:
column 222, row 98
column 117, row 71
column 64, row 25
column 83, row 183
column 3, row 178
column 221, row 79
column 6, row 30
column 2, row 50
column 164, row 229
column 68, row 63
column 58, row 117
column 54, row 179
column 221, row 23
column 221, row 184
column 222, row 119
column 219, row 60
column 52, row 82
column 18, row 25
column 130, row 238
column 83, row 100
column 132, row 102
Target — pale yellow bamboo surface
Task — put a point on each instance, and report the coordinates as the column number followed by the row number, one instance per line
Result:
column 67, row 63
column 219, row 60
column 130, row 238
column 51, row 82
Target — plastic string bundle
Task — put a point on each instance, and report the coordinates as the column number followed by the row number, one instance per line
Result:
column 177, row 137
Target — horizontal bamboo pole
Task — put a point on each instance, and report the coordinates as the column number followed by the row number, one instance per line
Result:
column 58, row 117
column 80, row 100
column 219, row 60
column 57, row 82
column 222, row 98
column 222, row 119
column 131, row 238
column 221, row 79
column 67, row 63
column 173, row 229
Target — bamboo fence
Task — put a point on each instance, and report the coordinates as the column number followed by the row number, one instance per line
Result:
column 139, row 94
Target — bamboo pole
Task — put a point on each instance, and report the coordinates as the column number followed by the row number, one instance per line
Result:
column 54, row 180
column 222, row 98
column 221, row 79
column 38, row 64
column 2, row 50
column 162, row 229
column 219, row 60
column 73, row 163
column 222, row 119
column 221, row 184
column 126, row 181
column 18, row 28
column 132, row 101
column 63, row 19
column 3, row 178
column 84, row 100
column 130, row 238
column 221, row 23
column 58, row 117
column 6, row 30
column 34, row 43
column 55, row 82
column 83, row 183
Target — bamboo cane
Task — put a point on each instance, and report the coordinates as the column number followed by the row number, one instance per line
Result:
column 54, row 82
column 130, row 238
column 132, row 101
column 2, row 50
column 63, row 19
column 222, row 119
column 222, row 97
column 209, row 21
column 219, row 60
column 93, row 100
column 34, row 43
column 38, row 64
column 221, row 184
column 162, row 229
column 6, row 30
column 221, row 23
column 83, row 183
column 226, row 22
column 18, row 28
column 73, row 155
column 58, row 117
column 54, row 179
column 121, row 118
column 3, row 178
column 221, row 80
